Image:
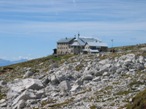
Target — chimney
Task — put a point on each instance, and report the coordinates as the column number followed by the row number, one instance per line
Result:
column 74, row 36
column 78, row 35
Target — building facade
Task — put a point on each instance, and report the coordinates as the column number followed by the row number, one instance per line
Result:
column 80, row 45
column 64, row 46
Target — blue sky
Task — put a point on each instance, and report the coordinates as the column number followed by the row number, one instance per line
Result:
column 30, row 28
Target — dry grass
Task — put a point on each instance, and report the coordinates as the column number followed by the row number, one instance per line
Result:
column 138, row 102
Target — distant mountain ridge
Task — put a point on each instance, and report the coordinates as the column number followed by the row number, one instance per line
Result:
column 4, row 62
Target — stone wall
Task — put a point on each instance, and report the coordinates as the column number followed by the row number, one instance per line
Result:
column 63, row 48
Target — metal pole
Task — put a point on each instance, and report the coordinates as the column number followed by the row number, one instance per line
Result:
column 112, row 42
column 112, row 46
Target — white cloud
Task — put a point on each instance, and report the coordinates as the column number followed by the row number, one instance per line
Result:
column 92, row 10
column 24, row 57
column 46, row 27
column 28, row 57
column 103, row 30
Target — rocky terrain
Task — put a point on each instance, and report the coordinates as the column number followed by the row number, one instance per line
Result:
column 93, row 81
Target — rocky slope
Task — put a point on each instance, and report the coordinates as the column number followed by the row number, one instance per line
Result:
column 103, row 81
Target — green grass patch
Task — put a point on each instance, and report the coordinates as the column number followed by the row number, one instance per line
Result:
column 2, row 96
column 17, row 70
column 93, row 107
column 34, row 62
column 138, row 102
column 62, row 104
column 108, row 88
column 79, row 67
column 126, row 92
column 48, row 102
column 135, row 83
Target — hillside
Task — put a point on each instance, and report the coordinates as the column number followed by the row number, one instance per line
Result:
column 93, row 81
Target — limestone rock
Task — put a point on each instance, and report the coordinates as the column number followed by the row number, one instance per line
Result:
column 141, row 59
column 105, row 83
column 105, row 74
column 24, row 96
column 87, row 77
column 103, row 62
column 64, row 86
column 20, row 105
column 21, row 85
column 97, row 79
column 34, row 84
column 39, row 93
column 45, row 81
column 3, row 105
column 28, row 74
column 61, row 77
column 2, row 83
column 75, row 87
column 143, row 49
column 145, row 65
column 2, row 101
column 54, row 80
column 98, row 73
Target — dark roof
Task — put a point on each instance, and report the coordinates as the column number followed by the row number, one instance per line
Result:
column 65, row 40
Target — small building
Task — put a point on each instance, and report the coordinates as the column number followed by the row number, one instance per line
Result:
column 54, row 51
column 80, row 45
